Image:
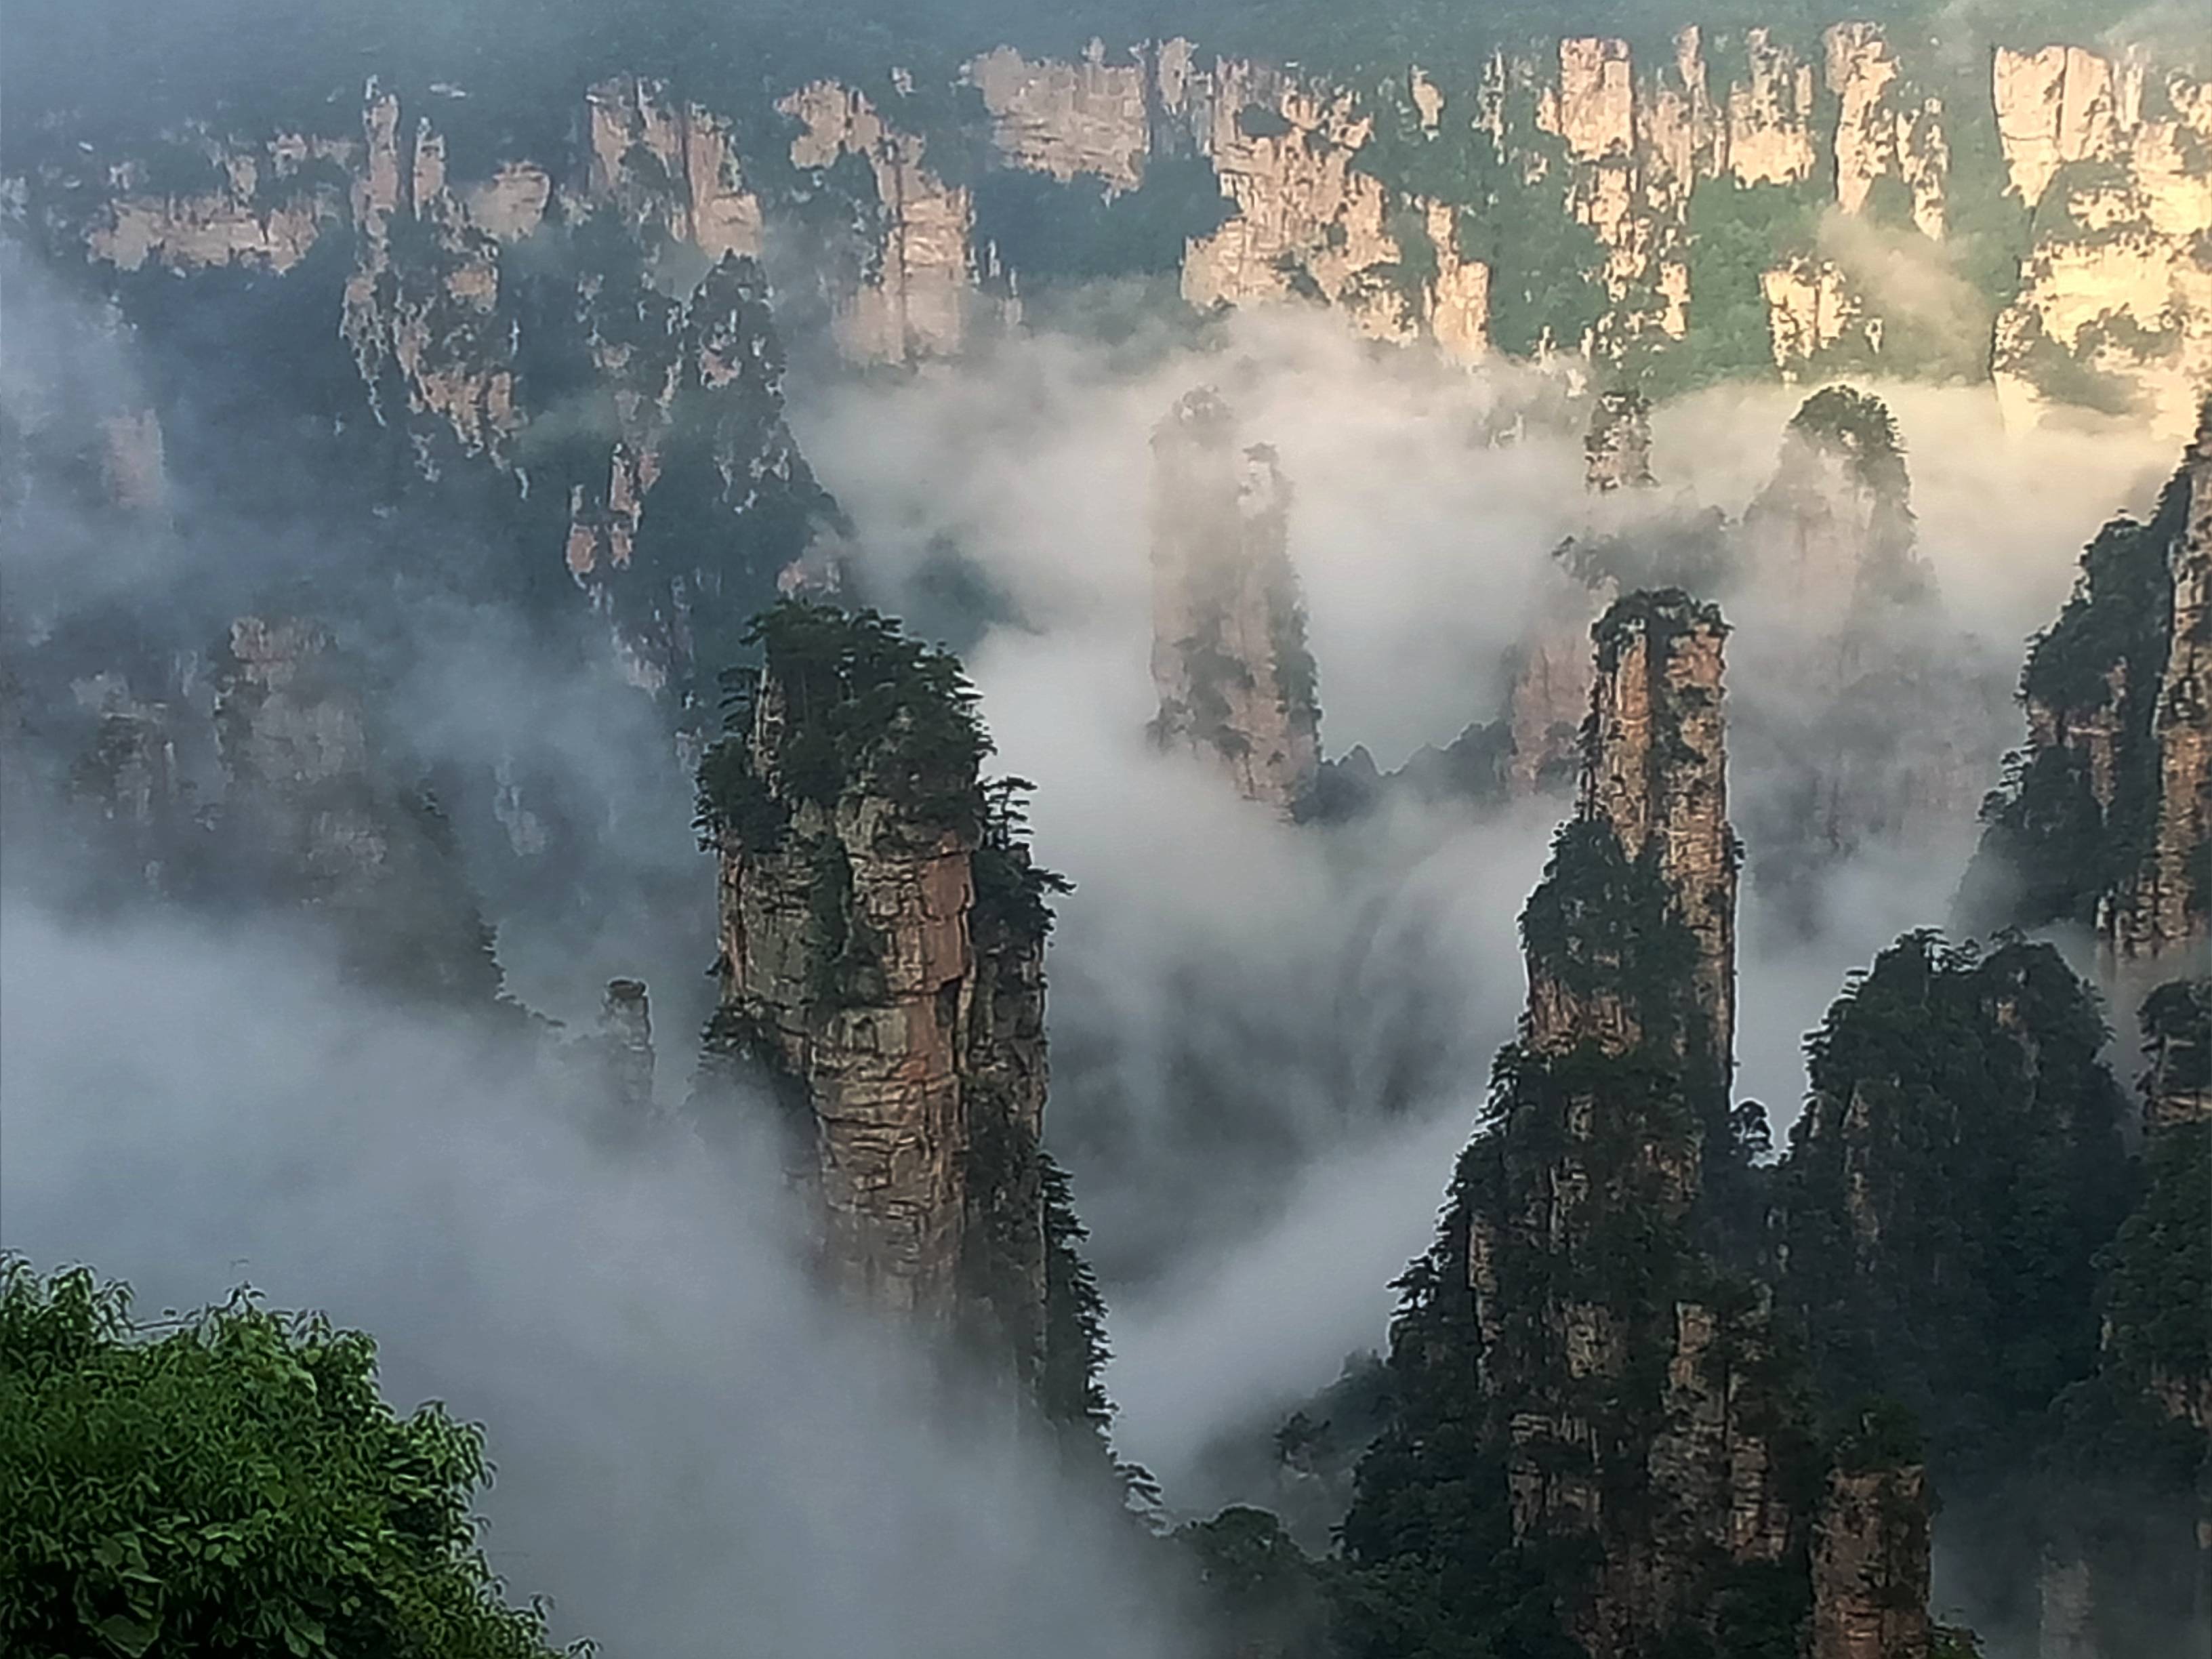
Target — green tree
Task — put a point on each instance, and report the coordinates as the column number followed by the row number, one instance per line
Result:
column 230, row 1483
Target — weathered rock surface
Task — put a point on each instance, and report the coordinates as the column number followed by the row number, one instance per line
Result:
column 1870, row 1565
column 2103, row 820
column 883, row 938
column 2113, row 302
column 2164, row 910
column 2109, row 155
column 2177, row 1025
column 1589, row 1140
column 1229, row 652
column 918, row 290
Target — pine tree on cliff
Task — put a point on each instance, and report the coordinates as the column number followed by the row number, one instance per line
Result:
column 1601, row 1443
column 1958, row 1168
column 883, row 929
column 2104, row 818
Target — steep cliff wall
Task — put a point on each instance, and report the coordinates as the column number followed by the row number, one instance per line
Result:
column 916, row 291
column 2116, row 161
column 1581, row 1384
column 1228, row 653
column 2163, row 909
column 2103, row 818
column 1735, row 201
column 1870, row 1565
column 882, row 936
column 311, row 814
column 1654, row 798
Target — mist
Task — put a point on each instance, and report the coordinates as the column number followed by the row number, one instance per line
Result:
column 688, row 1442
column 1268, row 1041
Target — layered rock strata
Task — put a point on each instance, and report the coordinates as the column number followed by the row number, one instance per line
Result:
column 1648, row 1420
column 882, row 936
column 1570, row 169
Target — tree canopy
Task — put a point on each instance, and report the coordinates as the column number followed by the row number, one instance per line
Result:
column 229, row 1483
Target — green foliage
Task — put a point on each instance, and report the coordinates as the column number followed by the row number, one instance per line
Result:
column 2049, row 849
column 1013, row 893
column 1431, row 1569
column 1263, row 1593
column 1737, row 231
column 1601, row 924
column 859, row 705
column 1879, row 1434
column 2158, row 1272
column 229, row 1483
column 1047, row 229
column 1070, row 1386
column 1513, row 213
column 1958, row 1167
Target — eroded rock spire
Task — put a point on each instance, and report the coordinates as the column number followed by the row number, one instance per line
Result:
column 1236, row 681
column 882, row 934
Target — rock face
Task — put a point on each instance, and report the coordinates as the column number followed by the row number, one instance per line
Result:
column 1551, row 691
column 1541, row 199
column 1834, row 526
column 2112, row 302
column 1581, row 1382
column 1649, row 1424
column 2104, row 818
column 1067, row 119
column 1870, row 1565
column 310, row 815
column 1617, row 452
column 1881, row 721
column 2162, row 909
column 882, row 936
column 2176, row 1026
column 1643, row 876
column 918, row 288
column 1655, row 779
column 1229, row 652
column 625, row 1038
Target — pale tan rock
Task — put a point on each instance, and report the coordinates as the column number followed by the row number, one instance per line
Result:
column 915, row 299
column 1067, row 118
column 1770, row 115
column 918, row 1079
column 431, row 320
column 264, row 211
column 1883, row 130
column 1459, row 297
column 1596, row 99
column 1810, row 307
column 1308, row 223
column 2117, row 282
column 670, row 164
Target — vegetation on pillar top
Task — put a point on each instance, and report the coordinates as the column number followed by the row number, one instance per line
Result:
column 1858, row 426
column 1661, row 614
column 857, row 705
column 2052, row 846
